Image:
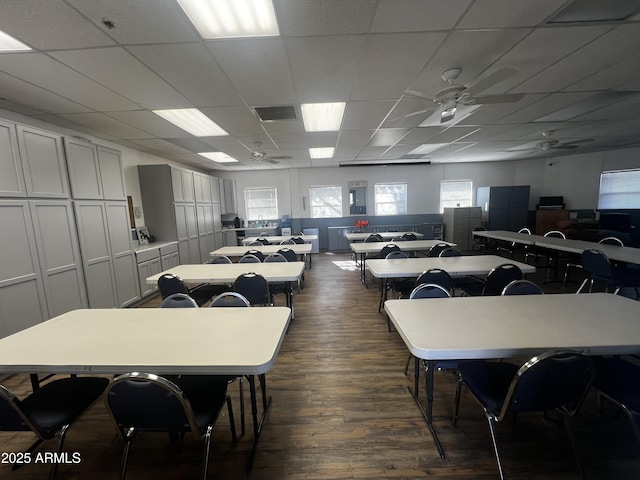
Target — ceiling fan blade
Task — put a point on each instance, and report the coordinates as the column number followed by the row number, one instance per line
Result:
column 582, row 140
column 415, row 93
column 282, row 157
column 419, row 112
column 270, row 160
column 491, row 80
column 490, row 99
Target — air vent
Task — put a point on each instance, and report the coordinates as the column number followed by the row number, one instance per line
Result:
column 585, row 11
column 269, row 114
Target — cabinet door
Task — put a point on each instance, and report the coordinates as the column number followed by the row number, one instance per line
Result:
column 11, row 176
column 59, row 255
column 169, row 261
column 111, row 176
column 230, row 195
column 215, row 190
column 43, row 163
column 187, row 232
column 124, row 262
column 177, row 185
column 217, row 226
column 93, row 234
column 223, row 203
column 84, row 169
column 144, row 271
column 21, row 289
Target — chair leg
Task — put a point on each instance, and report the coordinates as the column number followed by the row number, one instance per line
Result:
column 242, row 421
column 125, row 454
column 492, row 430
column 232, row 420
column 406, row 366
column 583, row 284
column 207, row 447
column 574, row 447
column 457, row 402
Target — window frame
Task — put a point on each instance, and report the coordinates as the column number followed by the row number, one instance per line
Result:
column 619, row 189
column 467, row 201
column 249, row 209
column 379, row 211
column 313, row 208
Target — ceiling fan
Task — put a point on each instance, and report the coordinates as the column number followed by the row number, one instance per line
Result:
column 453, row 94
column 550, row 143
column 258, row 155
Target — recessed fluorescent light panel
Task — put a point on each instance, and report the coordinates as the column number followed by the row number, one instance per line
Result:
column 193, row 121
column 10, row 44
column 232, row 18
column 324, row 152
column 322, row 117
column 219, row 157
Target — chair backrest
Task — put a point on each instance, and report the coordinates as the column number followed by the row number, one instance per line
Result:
column 552, row 380
column 12, row 418
column 264, row 234
column 436, row 276
column 248, row 258
column 287, row 242
column 289, row 254
column 596, row 264
column 263, row 240
column 522, row 287
column 297, row 239
column 357, row 230
column 256, row 243
column 429, row 290
column 230, row 299
column 169, row 284
column 387, row 249
column 275, row 257
column 255, row 253
column 437, row 248
column 555, row 234
column 179, row 300
column 500, row 277
column 150, row 403
column 254, row 287
column 220, row 259
column 525, row 230
column 409, row 236
column 612, row 241
column 397, row 254
column 374, row 237
column 451, row 252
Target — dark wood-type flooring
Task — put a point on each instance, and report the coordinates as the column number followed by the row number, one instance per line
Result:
column 341, row 410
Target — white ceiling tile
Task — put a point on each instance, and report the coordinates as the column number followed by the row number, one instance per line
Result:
column 386, row 137
column 235, row 120
column 355, row 138
column 420, row 135
column 366, row 115
column 101, row 123
column 509, row 13
column 149, row 122
column 115, row 68
column 191, row 70
column 417, row 15
column 324, row 17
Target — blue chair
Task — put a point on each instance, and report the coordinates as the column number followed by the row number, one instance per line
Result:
column 150, row 403
column 220, row 260
column 522, row 287
column 255, row 253
column 436, row 249
column 598, row 268
column 498, row 278
column 249, row 258
column 179, row 300
column 556, row 380
column 230, row 299
column 436, row 276
column 254, row 287
column 450, row 252
column 169, row 284
column 276, row 288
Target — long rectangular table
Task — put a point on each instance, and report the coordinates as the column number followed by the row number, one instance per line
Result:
column 462, row 266
column 502, row 327
column 222, row 274
column 368, row 248
column 276, row 239
column 301, row 249
column 191, row 341
column 360, row 237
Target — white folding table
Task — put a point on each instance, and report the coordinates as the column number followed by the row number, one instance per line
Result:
column 360, row 237
column 465, row 328
column 276, row 239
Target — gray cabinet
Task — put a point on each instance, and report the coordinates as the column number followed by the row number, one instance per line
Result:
column 148, row 264
column 206, row 241
column 230, row 204
column 11, row 176
column 22, row 294
column 169, row 256
column 507, row 207
column 43, row 163
column 459, row 222
column 337, row 238
column 202, row 188
column 187, row 232
column 182, row 184
column 123, row 257
column 95, row 172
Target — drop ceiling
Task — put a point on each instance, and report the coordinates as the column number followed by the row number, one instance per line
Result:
column 577, row 76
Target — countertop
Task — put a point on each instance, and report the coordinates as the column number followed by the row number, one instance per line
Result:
column 151, row 246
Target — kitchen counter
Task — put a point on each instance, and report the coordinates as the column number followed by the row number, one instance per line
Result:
column 151, row 246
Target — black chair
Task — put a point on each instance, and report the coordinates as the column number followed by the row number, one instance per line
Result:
column 409, row 236
column 297, row 239
column 556, row 380
column 255, row 243
column 220, row 260
column 255, row 253
column 289, row 254
column 254, row 287
column 169, row 284
column 480, row 242
column 598, row 268
column 276, row 288
column 522, row 287
column 496, row 280
column 576, row 263
column 618, row 381
column 263, row 241
column 149, row 403
column 399, row 285
column 50, row 410
column 436, row 276
column 387, row 249
column 512, row 247
column 179, row 300
column 374, row 237
column 437, row 248
column 451, row 252
column 287, row 242
column 248, row 258
column 230, row 299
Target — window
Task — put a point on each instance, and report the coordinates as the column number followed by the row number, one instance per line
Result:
column 455, row 193
column 391, row 198
column 261, row 203
column 619, row 189
column 326, row 201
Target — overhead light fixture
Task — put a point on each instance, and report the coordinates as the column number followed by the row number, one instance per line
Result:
column 193, row 121
column 322, row 117
column 321, row 152
column 10, row 44
column 232, row 18
column 219, row 157
column 385, row 163
column 449, row 112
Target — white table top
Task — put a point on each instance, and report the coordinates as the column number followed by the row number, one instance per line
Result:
column 216, row 341
column 506, row 235
column 276, row 239
column 239, row 251
column 227, row 273
column 454, row 266
column 359, row 237
column 502, row 327
column 405, row 246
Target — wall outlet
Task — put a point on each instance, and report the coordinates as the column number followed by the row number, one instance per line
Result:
column 137, row 212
